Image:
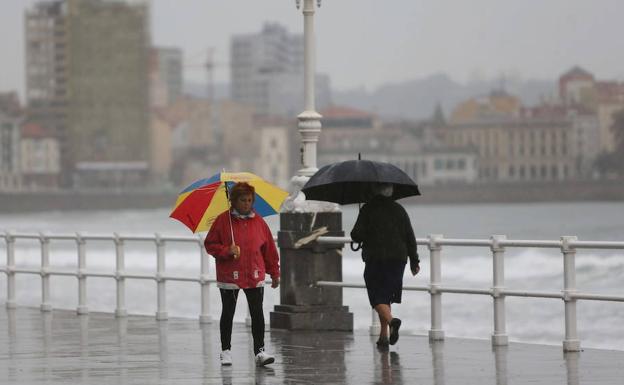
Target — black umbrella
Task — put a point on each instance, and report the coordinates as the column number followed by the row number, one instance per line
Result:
column 353, row 181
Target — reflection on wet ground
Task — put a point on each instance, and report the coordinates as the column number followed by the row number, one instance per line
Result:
column 61, row 347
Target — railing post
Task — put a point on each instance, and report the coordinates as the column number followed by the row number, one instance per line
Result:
column 499, row 337
column 10, row 244
column 571, row 342
column 436, row 333
column 120, row 266
column 82, row 278
column 204, row 317
column 45, row 275
column 375, row 328
column 161, row 313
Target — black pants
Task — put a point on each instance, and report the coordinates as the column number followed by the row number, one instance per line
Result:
column 228, row 301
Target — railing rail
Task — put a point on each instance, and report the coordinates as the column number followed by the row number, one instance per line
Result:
column 497, row 244
column 435, row 242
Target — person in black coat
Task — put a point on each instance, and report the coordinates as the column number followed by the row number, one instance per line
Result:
column 385, row 231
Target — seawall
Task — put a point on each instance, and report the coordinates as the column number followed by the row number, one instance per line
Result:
column 612, row 190
column 570, row 191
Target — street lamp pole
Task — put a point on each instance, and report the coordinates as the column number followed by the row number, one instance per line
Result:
column 305, row 307
column 309, row 120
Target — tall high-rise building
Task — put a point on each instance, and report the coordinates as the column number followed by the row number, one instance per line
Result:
column 46, row 72
column 10, row 121
column 109, row 91
column 166, row 78
column 266, row 71
column 87, row 77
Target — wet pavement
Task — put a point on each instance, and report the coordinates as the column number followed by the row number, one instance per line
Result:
column 62, row 347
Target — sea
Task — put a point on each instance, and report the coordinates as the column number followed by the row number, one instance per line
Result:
column 531, row 320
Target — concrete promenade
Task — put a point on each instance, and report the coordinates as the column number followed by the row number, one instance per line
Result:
column 61, row 347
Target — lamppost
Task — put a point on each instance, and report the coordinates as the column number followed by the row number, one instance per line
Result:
column 309, row 120
column 303, row 305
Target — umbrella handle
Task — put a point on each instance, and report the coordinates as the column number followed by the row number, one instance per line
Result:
column 357, row 247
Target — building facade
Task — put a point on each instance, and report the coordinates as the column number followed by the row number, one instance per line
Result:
column 87, row 83
column 604, row 98
column 47, row 88
column 349, row 133
column 519, row 150
column 266, row 72
column 10, row 175
column 166, row 77
column 274, row 156
column 108, row 107
column 40, row 158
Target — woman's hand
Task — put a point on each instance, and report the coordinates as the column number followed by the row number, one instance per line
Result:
column 416, row 270
column 235, row 250
column 275, row 282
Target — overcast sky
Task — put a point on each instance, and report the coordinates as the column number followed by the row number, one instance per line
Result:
column 371, row 42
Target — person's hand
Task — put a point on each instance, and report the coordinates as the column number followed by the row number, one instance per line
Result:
column 416, row 270
column 275, row 282
column 235, row 250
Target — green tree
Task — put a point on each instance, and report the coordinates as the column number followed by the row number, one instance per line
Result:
column 617, row 128
column 613, row 163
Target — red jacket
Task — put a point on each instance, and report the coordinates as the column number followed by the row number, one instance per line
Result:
column 258, row 254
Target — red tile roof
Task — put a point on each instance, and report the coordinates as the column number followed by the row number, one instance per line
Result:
column 345, row 112
column 33, row 130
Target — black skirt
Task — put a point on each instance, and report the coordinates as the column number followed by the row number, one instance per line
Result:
column 384, row 281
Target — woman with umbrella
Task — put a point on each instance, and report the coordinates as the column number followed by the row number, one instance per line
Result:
column 243, row 246
column 384, row 228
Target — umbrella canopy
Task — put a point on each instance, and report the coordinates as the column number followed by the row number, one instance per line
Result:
column 353, row 181
column 199, row 204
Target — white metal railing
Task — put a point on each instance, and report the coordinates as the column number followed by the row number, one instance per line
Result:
column 497, row 244
column 120, row 275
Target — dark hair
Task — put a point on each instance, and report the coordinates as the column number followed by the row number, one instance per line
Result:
column 242, row 188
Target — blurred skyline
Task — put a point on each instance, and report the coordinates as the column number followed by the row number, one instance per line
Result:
column 384, row 43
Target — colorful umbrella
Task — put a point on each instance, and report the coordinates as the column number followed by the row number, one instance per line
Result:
column 199, row 204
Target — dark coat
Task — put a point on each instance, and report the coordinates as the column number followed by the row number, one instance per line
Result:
column 385, row 230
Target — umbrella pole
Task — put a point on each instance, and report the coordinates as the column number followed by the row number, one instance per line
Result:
column 227, row 198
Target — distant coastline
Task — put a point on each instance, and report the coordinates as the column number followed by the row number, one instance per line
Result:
column 590, row 190
column 569, row 191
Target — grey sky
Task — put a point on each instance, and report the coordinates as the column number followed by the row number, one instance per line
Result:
column 370, row 42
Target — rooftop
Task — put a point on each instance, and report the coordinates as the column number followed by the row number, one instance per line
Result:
column 62, row 347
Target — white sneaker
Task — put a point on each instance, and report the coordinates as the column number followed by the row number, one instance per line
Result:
column 264, row 358
column 226, row 357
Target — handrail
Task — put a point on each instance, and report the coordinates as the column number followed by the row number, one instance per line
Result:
column 497, row 245
column 434, row 242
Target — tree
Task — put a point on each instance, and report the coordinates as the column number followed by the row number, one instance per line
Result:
column 617, row 156
column 606, row 164
column 617, row 128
